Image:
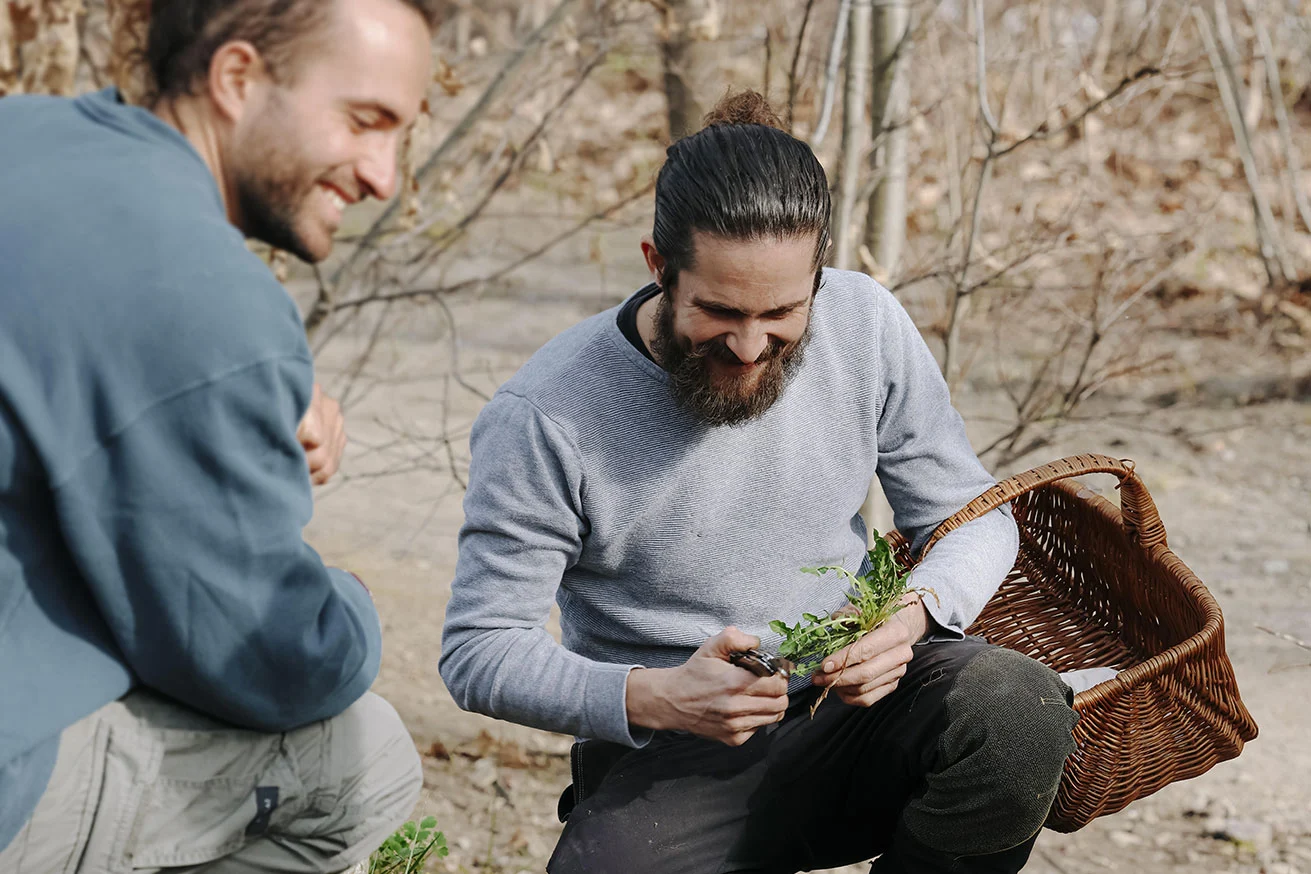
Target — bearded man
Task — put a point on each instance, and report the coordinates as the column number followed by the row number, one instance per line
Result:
column 183, row 682
column 663, row 471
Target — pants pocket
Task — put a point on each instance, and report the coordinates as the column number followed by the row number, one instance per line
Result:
column 215, row 791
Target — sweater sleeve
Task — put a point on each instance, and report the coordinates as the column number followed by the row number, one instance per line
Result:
column 929, row 471
column 187, row 526
column 524, row 526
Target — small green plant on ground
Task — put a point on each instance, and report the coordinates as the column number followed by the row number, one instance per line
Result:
column 875, row 597
column 408, row 847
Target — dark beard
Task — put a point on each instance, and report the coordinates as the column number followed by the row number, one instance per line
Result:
column 693, row 387
column 268, row 206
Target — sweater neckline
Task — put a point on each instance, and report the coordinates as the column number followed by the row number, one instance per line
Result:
column 626, row 348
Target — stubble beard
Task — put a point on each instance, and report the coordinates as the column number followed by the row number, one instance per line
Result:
column 272, row 194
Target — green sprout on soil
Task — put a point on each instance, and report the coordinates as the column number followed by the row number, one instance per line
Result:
column 875, row 597
column 405, row 851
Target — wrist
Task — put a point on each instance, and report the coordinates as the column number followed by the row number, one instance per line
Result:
column 643, row 698
column 917, row 619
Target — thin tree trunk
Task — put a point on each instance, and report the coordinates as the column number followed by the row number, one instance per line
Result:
column 831, row 73
column 687, row 50
column 1110, row 12
column 1038, row 61
column 1254, row 105
column 961, row 294
column 463, row 31
column 853, row 133
column 1292, row 160
column 1278, row 268
column 885, row 224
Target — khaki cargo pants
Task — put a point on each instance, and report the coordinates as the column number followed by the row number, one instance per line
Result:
column 144, row 785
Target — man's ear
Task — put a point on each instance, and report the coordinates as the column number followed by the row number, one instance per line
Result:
column 655, row 262
column 235, row 71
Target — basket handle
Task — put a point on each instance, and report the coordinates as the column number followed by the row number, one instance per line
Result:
column 1142, row 522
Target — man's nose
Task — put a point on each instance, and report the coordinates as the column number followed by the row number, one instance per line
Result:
column 376, row 171
column 748, row 343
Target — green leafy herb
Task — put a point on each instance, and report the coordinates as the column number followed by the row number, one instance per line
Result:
column 875, row 597
column 405, row 851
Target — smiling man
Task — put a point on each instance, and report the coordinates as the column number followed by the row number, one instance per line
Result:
column 183, row 682
column 663, row 471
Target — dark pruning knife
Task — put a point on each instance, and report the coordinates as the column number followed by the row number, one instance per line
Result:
column 761, row 663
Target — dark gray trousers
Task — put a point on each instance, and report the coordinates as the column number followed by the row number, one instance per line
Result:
column 955, row 771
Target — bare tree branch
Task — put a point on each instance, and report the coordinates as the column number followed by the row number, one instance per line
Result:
column 446, row 438
column 831, row 73
column 456, row 374
column 442, row 242
column 1043, row 131
column 459, row 132
column 323, row 307
column 796, row 60
column 501, row 273
column 981, row 71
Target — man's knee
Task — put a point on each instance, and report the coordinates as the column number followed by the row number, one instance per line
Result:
column 1030, row 725
column 1008, row 734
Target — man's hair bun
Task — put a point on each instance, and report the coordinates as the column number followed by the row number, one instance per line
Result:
column 744, row 107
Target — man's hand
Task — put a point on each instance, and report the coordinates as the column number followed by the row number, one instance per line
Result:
column 323, row 435
column 870, row 668
column 707, row 695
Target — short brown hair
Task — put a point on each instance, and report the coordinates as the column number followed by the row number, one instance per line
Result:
column 184, row 34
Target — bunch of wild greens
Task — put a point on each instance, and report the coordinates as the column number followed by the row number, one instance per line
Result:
column 875, row 598
column 405, row 851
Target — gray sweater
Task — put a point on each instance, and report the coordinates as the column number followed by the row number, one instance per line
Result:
column 652, row 531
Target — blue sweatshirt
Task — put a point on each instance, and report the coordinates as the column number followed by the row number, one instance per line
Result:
column 152, row 490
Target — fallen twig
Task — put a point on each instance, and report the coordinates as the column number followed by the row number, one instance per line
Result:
column 1282, row 636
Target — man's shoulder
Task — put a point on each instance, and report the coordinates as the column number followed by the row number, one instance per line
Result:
column 19, row 110
column 849, row 293
column 112, row 223
column 852, row 310
column 68, row 159
column 579, row 361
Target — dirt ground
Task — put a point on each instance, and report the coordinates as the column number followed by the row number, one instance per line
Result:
column 1231, row 483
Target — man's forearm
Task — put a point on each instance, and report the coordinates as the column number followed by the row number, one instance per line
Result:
column 964, row 569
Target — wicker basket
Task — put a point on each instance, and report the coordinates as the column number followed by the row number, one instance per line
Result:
column 1096, row 586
